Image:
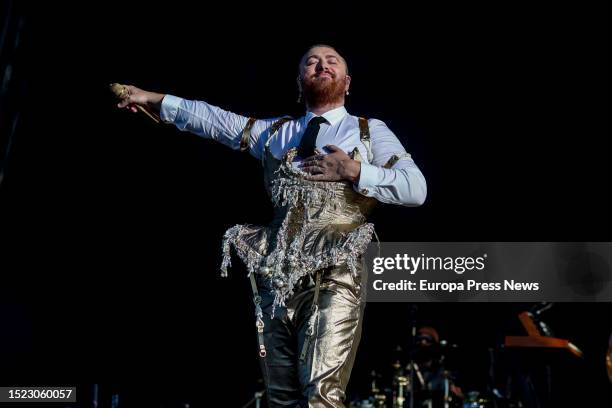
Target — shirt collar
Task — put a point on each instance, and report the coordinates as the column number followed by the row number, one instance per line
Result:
column 333, row 116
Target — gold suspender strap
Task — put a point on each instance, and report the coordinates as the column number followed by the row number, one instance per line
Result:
column 259, row 323
column 314, row 310
column 394, row 159
column 391, row 162
column 246, row 134
column 273, row 129
column 364, row 135
column 277, row 125
column 355, row 155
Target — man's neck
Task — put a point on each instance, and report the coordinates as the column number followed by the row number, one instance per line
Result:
column 321, row 109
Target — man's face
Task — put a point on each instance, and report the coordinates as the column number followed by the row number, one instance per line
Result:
column 323, row 76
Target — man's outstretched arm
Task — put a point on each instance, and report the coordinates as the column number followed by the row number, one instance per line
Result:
column 199, row 117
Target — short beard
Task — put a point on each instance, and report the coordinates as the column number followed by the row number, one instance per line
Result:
column 321, row 92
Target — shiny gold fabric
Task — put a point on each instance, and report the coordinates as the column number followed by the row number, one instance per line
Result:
column 320, row 380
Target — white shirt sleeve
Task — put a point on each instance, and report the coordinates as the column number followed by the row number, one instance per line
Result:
column 214, row 123
column 403, row 183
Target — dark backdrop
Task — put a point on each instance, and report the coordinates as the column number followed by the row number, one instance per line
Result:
column 112, row 225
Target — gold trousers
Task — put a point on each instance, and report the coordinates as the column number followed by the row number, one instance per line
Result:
column 319, row 378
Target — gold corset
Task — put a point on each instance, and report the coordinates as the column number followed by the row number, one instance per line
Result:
column 316, row 224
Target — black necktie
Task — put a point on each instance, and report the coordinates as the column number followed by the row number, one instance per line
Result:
column 309, row 139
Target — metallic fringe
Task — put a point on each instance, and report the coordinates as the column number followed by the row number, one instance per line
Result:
column 284, row 267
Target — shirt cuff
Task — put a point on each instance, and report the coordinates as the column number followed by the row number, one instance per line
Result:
column 368, row 179
column 169, row 108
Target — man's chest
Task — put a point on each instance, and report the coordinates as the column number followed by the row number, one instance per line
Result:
column 345, row 136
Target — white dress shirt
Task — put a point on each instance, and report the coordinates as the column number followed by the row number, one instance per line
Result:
column 401, row 184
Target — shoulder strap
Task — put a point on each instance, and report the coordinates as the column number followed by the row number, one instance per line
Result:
column 272, row 130
column 246, row 134
column 364, row 135
column 394, row 159
column 278, row 124
column 275, row 126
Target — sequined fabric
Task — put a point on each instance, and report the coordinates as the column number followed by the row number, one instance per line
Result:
column 316, row 225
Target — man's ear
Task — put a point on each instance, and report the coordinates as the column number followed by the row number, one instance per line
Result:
column 348, row 83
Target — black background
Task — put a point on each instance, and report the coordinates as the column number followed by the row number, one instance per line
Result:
column 113, row 224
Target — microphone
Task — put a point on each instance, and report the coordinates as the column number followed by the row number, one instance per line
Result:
column 121, row 92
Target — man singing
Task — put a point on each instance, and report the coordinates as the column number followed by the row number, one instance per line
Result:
column 324, row 172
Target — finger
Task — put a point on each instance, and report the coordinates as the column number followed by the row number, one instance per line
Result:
column 334, row 148
column 131, row 89
column 314, row 169
column 315, row 156
column 318, row 177
column 124, row 102
column 133, row 108
column 309, row 169
column 312, row 160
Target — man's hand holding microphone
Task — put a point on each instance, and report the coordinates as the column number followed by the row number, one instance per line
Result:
column 136, row 99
